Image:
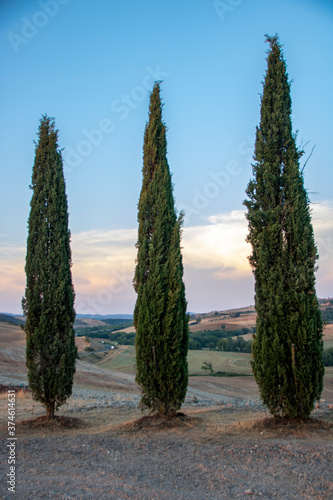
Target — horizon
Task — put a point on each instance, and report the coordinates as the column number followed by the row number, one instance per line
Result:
column 188, row 312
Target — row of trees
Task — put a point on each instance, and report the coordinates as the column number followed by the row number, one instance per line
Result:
column 287, row 348
column 210, row 339
column 234, row 345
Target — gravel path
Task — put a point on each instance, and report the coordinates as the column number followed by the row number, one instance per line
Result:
column 167, row 466
column 195, row 399
column 202, row 461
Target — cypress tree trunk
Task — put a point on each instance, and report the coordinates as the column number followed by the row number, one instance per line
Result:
column 160, row 315
column 50, row 411
column 287, row 348
column 49, row 296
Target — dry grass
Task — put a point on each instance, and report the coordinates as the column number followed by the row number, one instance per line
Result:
column 55, row 423
column 19, row 391
column 328, row 335
column 211, row 323
column 283, row 428
column 157, row 423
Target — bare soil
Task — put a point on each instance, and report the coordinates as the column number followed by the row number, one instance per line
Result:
column 222, row 445
column 204, row 453
column 243, row 321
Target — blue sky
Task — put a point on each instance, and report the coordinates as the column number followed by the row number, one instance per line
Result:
column 91, row 66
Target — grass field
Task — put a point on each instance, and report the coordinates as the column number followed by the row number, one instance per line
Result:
column 124, row 362
column 328, row 336
column 229, row 362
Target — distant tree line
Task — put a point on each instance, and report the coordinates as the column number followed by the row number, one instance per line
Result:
column 215, row 340
column 327, row 314
column 123, row 338
column 328, row 357
column 102, row 331
column 6, row 318
column 234, row 345
column 210, row 339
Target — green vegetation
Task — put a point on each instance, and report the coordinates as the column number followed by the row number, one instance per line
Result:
column 123, row 362
column 206, row 365
column 120, row 323
column 122, row 338
column 102, row 331
column 222, row 374
column 113, row 324
column 327, row 314
column 209, row 339
column 328, row 357
column 287, row 349
column 160, row 315
column 7, row 318
column 49, row 293
column 235, row 345
column 228, row 363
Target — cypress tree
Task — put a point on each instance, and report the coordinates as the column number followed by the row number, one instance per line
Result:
column 49, row 295
column 160, row 315
column 287, row 348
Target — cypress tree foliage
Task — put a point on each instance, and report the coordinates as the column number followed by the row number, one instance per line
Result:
column 287, row 348
column 49, row 296
column 160, row 315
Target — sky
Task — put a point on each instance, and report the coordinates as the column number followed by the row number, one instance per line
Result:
column 91, row 65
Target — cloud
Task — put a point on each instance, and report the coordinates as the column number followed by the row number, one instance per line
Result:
column 217, row 271
column 98, row 237
column 12, row 262
column 103, row 270
column 322, row 220
column 216, row 259
column 212, row 252
column 97, row 251
column 219, row 245
column 12, row 277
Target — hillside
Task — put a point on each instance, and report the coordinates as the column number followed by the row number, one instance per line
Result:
column 10, row 319
column 221, row 446
column 114, row 370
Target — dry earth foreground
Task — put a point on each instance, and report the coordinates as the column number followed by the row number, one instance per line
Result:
column 222, row 445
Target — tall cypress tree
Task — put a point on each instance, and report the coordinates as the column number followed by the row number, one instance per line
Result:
column 160, row 315
column 287, row 348
column 49, row 296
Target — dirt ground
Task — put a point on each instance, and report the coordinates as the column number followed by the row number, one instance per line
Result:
column 223, row 446
column 213, row 452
